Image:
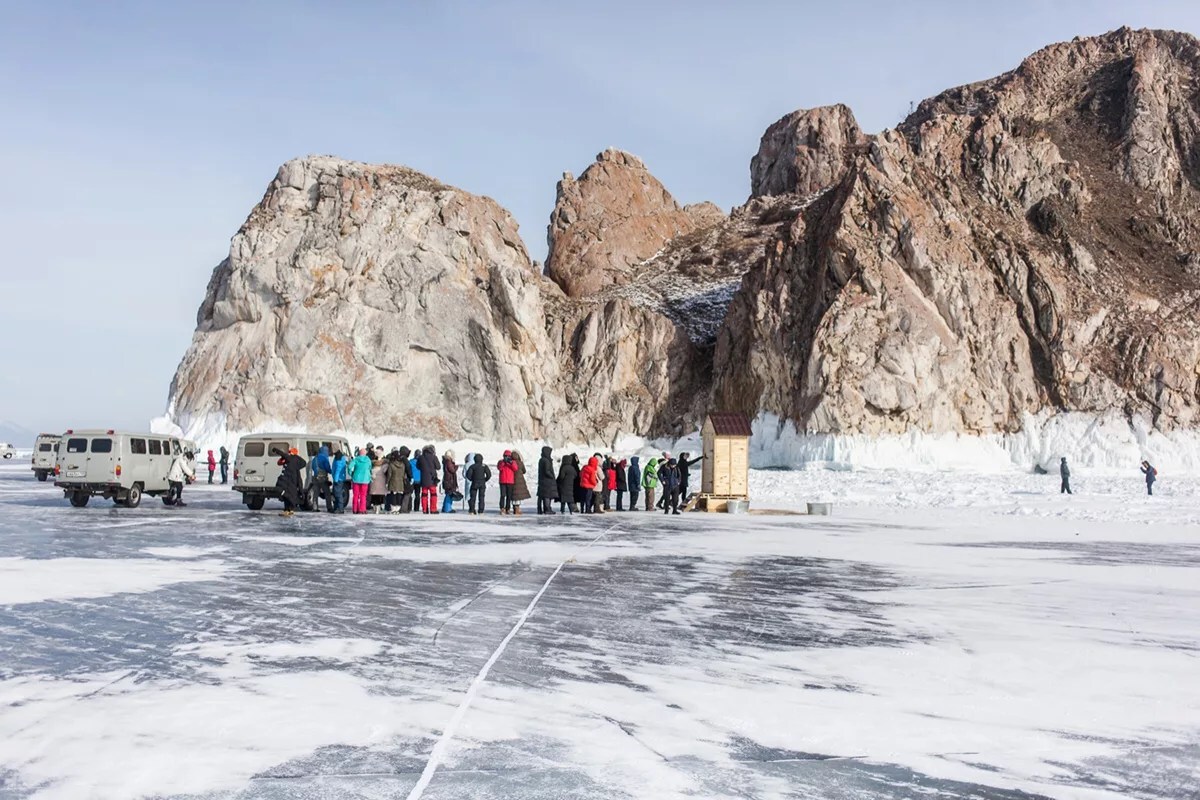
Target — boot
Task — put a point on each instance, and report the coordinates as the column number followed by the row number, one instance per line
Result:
column 517, row 511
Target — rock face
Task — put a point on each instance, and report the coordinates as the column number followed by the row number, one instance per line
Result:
column 1021, row 244
column 371, row 298
column 1015, row 245
column 614, row 216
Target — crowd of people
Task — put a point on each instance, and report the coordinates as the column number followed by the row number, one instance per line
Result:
column 406, row 481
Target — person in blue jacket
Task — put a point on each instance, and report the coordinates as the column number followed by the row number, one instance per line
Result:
column 339, row 473
column 634, row 481
column 322, row 471
column 413, row 501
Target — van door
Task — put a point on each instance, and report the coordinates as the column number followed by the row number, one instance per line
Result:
column 73, row 459
column 102, row 455
column 135, row 464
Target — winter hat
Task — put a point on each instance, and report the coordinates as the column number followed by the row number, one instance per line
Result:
column 449, row 454
column 507, row 453
column 671, row 462
column 294, row 451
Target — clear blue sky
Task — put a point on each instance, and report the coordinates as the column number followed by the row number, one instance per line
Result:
column 137, row 136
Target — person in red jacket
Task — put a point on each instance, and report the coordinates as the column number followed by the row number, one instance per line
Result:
column 506, row 469
column 609, row 468
column 212, row 465
column 589, row 477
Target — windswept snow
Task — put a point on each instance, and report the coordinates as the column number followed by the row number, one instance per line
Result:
column 945, row 634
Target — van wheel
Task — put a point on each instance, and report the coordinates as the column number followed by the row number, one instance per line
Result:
column 80, row 499
column 41, row 476
column 167, row 501
column 134, row 498
column 8, row 456
column 255, row 503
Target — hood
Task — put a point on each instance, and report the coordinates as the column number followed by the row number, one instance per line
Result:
column 448, row 454
column 622, row 463
column 635, row 460
column 651, row 464
column 593, row 462
column 546, row 451
column 324, row 451
column 479, row 458
column 507, row 453
column 405, row 452
column 671, row 462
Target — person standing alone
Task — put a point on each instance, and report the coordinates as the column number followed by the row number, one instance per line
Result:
column 1065, row 471
column 224, row 463
column 212, row 466
column 1151, row 476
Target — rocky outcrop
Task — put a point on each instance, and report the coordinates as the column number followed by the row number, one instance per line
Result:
column 1015, row 245
column 805, row 152
column 1022, row 244
column 614, row 216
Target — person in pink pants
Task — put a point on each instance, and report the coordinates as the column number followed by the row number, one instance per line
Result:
column 360, row 482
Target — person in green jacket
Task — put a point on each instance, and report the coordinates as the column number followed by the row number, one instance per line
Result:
column 650, row 482
column 360, row 480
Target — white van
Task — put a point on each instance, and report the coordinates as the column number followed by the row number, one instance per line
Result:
column 45, row 453
column 116, row 465
column 7, row 451
column 256, row 464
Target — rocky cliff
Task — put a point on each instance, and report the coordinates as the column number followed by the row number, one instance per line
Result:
column 1026, row 243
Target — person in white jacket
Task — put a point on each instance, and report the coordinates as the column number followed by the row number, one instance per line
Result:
column 181, row 470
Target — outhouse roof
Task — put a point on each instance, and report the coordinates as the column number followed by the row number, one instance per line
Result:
column 730, row 423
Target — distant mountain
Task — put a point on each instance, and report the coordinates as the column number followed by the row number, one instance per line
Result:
column 17, row 435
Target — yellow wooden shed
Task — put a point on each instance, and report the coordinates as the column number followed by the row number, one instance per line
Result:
column 726, row 468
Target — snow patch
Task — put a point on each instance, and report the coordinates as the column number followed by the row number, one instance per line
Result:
column 27, row 580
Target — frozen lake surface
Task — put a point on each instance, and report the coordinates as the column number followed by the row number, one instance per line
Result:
column 943, row 635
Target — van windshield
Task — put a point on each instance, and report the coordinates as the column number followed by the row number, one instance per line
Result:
column 45, row 447
column 254, row 449
column 101, row 445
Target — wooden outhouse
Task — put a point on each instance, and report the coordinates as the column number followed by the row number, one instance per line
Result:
column 726, row 466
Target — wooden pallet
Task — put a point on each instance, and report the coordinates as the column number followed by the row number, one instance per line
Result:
column 712, row 502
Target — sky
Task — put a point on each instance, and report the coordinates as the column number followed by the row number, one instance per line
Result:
column 136, row 137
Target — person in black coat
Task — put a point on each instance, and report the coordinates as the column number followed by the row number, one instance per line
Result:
column 685, row 466
column 547, row 485
column 1151, row 476
column 428, row 462
column 622, row 483
column 1065, row 472
column 478, row 474
column 634, row 481
column 568, row 483
column 671, row 479
column 291, row 481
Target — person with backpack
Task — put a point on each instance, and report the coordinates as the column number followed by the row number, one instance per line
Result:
column 322, row 469
column 568, row 480
column 633, row 480
column 589, row 479
column 671, row 480
column 413, row 502
column 339, row 475
column 224, row 464
column 360, row 482
column 506, row 469
column 650, row 482
column 1151, row 476
column 478, row 475
column 547, row 485
column 449, row 482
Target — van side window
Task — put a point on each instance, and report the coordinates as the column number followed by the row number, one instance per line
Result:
column 254, row 449
column 278, row 449
column 313, row 448
column 166, row 448
column 76, row 445
column 137, row 447
column 155, row 447
column 101, row 445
